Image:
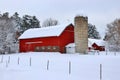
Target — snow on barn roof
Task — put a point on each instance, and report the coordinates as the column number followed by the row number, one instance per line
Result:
column 71, row 45
column 99, row 42
column 44, row 32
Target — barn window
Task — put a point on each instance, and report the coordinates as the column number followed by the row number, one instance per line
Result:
column 37, row 47
column 54, row 48
column 49, row 47
column 43, row 47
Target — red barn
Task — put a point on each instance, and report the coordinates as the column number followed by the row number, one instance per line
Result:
column 96, row 44
column 97, row 47
column 48, row 39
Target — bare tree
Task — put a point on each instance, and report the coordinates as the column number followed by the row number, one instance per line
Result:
column 50, row 22
column 113, row 35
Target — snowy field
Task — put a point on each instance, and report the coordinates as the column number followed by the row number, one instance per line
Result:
column 56, row 66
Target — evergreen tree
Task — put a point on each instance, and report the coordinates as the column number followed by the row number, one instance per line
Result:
column 29, row 22
column 92, row 32
column 5, row 15
column 35, row 22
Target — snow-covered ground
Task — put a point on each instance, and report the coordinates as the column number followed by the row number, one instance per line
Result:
column 56, row 66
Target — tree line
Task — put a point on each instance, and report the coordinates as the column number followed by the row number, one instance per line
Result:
column 11, row 27
column 27, row 22
column 112, row 36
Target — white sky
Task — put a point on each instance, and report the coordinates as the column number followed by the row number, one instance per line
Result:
column 99, row 12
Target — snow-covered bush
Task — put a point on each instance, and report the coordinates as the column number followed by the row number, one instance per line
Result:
column 8, row 29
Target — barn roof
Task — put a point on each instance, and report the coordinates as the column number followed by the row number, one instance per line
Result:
column 99, row 42
column 44, row 32
column 71, row 45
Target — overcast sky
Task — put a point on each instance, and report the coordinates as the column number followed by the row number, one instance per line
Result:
column 99, row 12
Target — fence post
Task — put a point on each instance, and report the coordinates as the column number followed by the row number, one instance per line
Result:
column 94, row 52
column 48, row 65
column 97, row 52
column 6, row 63
column 100, row 71
column 69, row 67
column 9, row 59
column 18, row 61
column 30, row 61
column 106, row 52
column 2, row 59
column 115, row 53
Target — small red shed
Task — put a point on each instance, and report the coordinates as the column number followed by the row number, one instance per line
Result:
column 47, row 39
